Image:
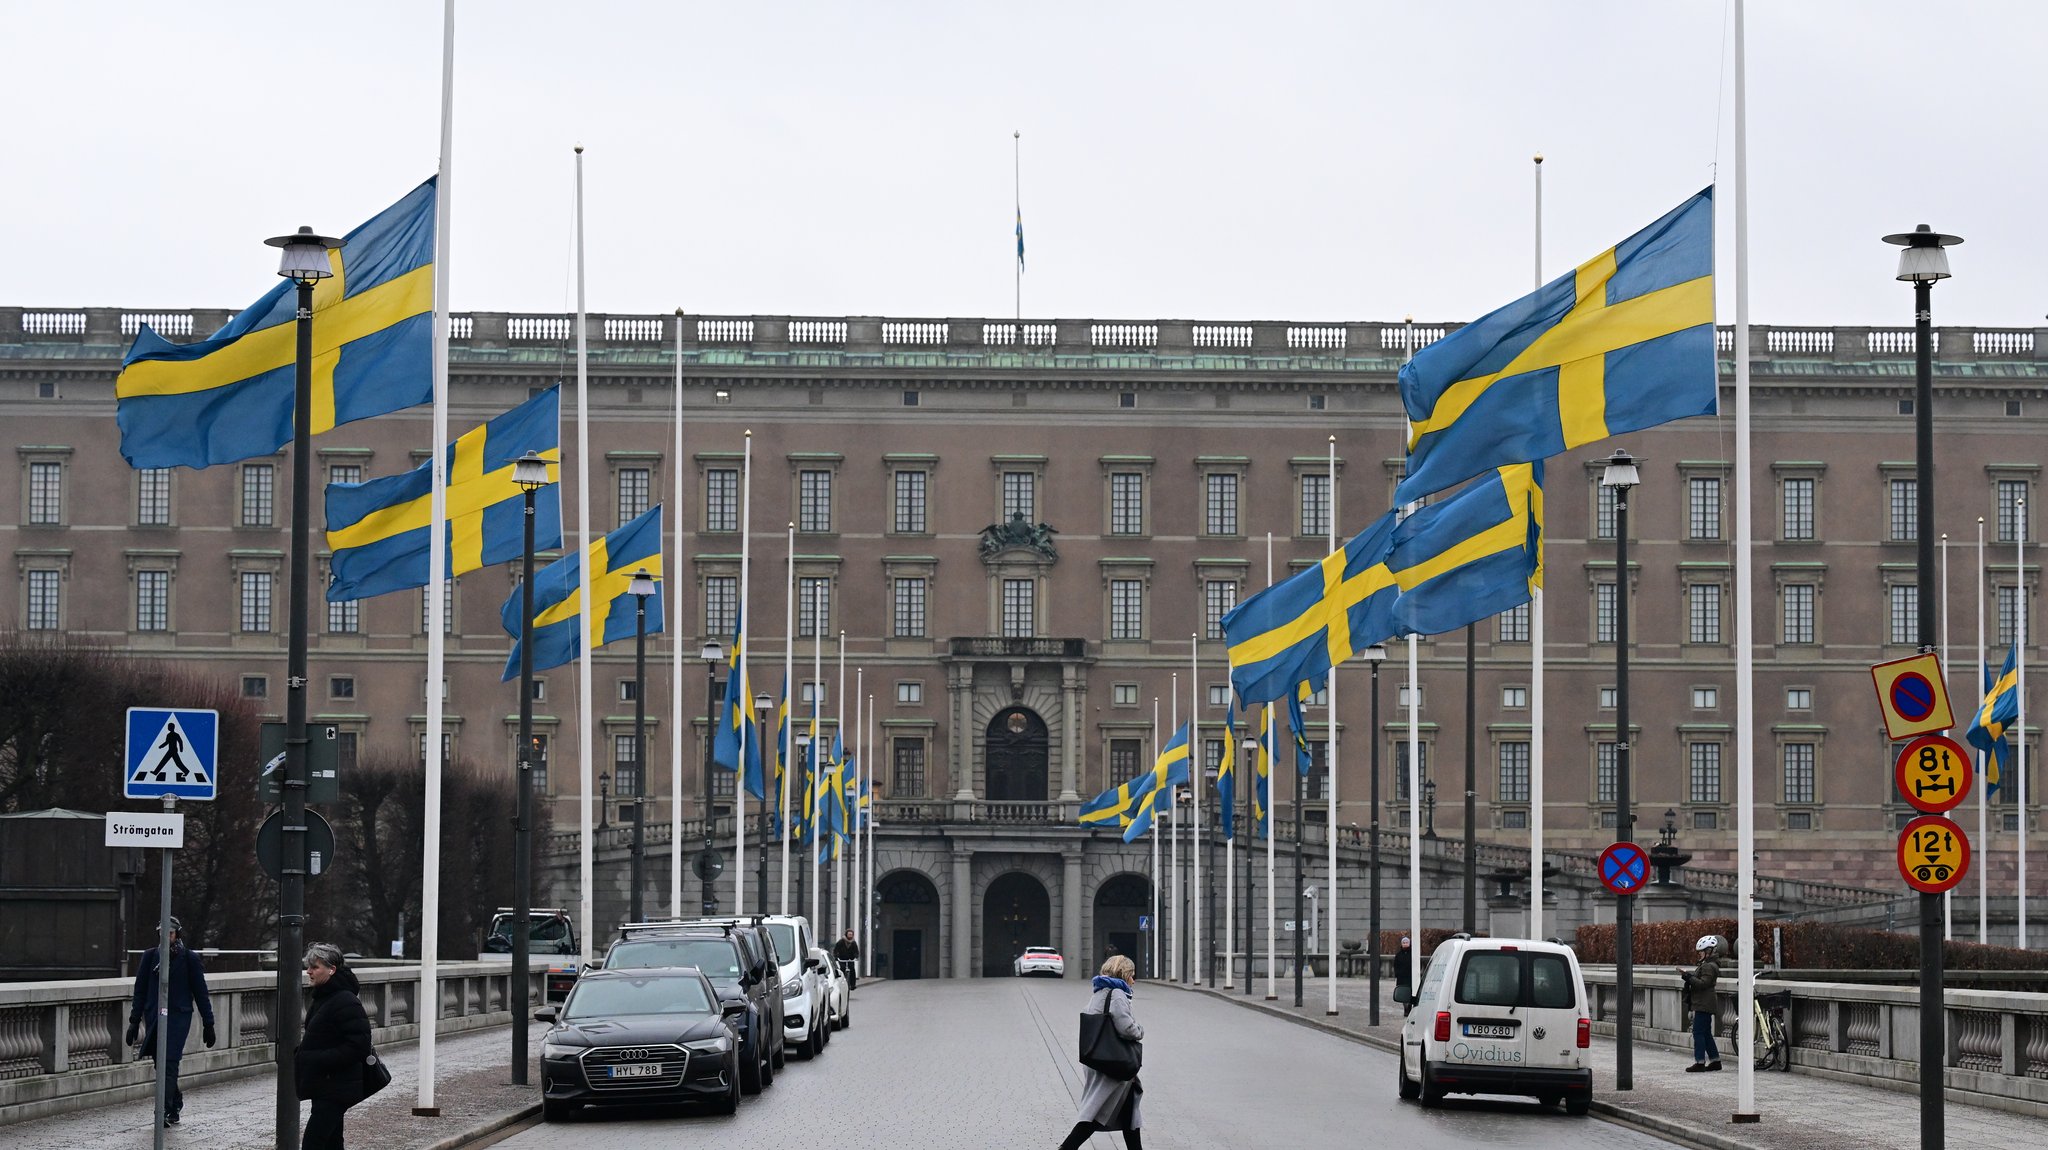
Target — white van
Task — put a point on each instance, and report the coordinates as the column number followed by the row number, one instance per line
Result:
column 1500, row 1016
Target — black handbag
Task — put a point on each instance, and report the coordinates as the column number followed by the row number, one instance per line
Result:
column 1105, row 1051
column 376, row 1075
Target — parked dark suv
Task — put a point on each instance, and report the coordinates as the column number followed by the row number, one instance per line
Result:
column 739, row 961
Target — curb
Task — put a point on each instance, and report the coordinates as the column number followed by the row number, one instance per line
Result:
column 487, row 1127
column 1619, row 1115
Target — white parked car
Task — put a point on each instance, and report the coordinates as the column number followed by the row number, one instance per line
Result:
column 838, row 995
column 1499, row 1016
column 1040, row 960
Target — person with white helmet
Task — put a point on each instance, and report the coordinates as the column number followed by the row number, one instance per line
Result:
column 1703, row 1003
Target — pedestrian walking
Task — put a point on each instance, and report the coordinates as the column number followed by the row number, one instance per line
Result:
column 846, row 952
column 1701, row 1000
column 1107, row 1104
column 1404, row 975
column 188, row 994
column 328, row 1065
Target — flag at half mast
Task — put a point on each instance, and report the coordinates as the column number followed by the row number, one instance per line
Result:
column 1624, row 342
column 1998, row 711
column 230, row 396
column 559, row 587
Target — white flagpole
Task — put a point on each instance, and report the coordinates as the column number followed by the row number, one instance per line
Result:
column 585, row 737
column 745, row 696
column 1983, row 763
column 437, row 563
column 1230, row 865
column 860, row 755
column 1272, row 839
column 1330, row 765
column 1196, row 769
column 1153, row 970
column 1173, row 842
column 1745, row 624
column 839, row 769
column 675, row 651
column 789, row 728
column 867, row 951
column 1948, row 897
column 1415, row 954
column 811, row 762
column 2019, row 740
column 1535, row 668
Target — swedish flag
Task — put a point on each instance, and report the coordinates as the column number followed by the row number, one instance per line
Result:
column 736, row 722
column 1168, row 771
column 772, row 750
column 229, row 397
column 1303, row 761
column 1262, row 771
column 380, row 530
column 1117, row 805
column 559, row 587
column 1624, row 342
column 1451, row 563
column 1226, row 777
column 2001, row 706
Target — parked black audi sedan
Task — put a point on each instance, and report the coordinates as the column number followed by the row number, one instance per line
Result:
column 639, row 1036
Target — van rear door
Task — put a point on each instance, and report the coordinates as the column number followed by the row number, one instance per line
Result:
column 1489, row 1026
column 1552, row 1016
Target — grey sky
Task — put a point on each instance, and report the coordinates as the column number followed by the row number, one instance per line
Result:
column 1195, row 159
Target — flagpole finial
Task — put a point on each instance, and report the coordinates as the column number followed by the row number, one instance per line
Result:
column 1016, row 135
column 679, row 313
column 1539, row 157
column 748, row 433
column 579, row 149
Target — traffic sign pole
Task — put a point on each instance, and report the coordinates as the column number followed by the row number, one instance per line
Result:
column 163, row 985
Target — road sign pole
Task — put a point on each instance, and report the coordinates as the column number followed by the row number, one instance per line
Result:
column 291, row 889
column 1933, row 1022
column 163, row 985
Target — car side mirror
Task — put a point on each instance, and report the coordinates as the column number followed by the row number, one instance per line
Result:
column 547, row 1014
column 812, row 964
column 1401, row 995
column 732, row 1009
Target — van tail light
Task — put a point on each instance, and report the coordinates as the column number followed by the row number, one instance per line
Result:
column 1585, row 1033
column 1443, row 1026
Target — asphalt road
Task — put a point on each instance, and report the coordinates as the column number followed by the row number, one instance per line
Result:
column 989, row 1063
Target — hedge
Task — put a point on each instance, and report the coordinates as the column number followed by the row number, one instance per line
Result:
column 1807, row 946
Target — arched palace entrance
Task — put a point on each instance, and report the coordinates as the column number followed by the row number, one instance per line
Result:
column 1015, row 913
column 906, row 942
column 1118, row 904
column 1017, row 749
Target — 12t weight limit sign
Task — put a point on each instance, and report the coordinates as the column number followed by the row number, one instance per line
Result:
column 1934, row 855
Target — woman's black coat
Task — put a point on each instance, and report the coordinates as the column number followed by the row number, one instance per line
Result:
column 329, row 1061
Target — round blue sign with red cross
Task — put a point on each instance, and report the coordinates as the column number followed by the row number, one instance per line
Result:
column 1624, row 867
column 1913, row 697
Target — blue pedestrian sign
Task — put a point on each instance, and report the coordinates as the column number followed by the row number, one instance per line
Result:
column 171, row 751
column 1144, row 922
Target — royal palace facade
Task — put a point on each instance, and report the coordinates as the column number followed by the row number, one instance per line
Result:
column 1021, row 536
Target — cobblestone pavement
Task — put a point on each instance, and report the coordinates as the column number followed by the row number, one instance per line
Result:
column 990, row 1063
column 472, row 1087
column 1799, row 1111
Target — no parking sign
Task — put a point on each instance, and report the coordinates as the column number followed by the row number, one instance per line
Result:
column 1911, row 696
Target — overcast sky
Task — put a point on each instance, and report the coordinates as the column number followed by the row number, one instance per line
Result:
column 1291, row 160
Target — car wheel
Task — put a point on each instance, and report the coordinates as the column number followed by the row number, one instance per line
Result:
column 1548, row 1100
column 779, row 1057
column 804, row 1049
column 749, row 1070
column 1408, row 1088
column 1577, row 1105
column 818, row 1034
column 825, row 1036
column 846, row 1023
column 1432, row 1094
column 557, row 1111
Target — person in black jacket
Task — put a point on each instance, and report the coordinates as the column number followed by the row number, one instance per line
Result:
column 327, row 1068
column 188, row 993
column 846, row 952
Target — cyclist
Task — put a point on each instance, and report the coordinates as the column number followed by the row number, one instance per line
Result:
column 1702, row 1002
column 846, row 952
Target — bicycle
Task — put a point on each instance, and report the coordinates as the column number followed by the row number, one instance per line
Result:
column 1772, row 1043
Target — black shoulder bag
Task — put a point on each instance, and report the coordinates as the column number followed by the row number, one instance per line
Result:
column 1105, row 1051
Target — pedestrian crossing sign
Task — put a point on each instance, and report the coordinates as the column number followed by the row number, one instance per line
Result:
column 171, row 751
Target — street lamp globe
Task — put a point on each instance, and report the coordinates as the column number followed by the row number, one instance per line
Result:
column 641, row 585
column 1923, row 260
column 305, row 255
column 712, row 652
column 530, row 472
column 1621, row 471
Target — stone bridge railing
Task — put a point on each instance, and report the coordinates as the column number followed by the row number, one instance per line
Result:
column 1997, row 1052
column 61, row 1043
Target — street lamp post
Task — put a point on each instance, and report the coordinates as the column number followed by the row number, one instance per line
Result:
column 1923, row 263
column 640, row 587
column 762, row 703
column 529, row 474
column 1621, row 477
column 1429, row 808
column 304, row 262
column 604, row 800
column 713, row 655
column 1374, row 656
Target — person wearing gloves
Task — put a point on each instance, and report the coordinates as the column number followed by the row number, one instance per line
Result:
column 327, row 1068
column 188, row 993
column 1702, row 1002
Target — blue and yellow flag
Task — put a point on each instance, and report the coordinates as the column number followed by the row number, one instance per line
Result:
column 2001, row 706
column 558, row 591
column 1020, row 237
column 1303, row 761
column 380, row 530
column 771, row 750
column 1448, row 564
column 1624, row 342
column 867, row 787
column 1169, row 770
column 736, row 724
column 1262, row 772
column 1226, row 777
column 1117, row 805
column 229, row 397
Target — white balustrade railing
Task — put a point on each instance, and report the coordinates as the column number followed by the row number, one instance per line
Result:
column 1222, row 335
column 917, row 333
column 162, row 323
column 1317, row 338
column 1409, row 337
column 1899, row 341
column 817, row 331
column 53, row 322
column 1124, row 334
column 461, row 326
column 629, row 329
column 2002, row 342
column 1800, row 341
column 725, row 331
column 538, row 328
column 1724, row 339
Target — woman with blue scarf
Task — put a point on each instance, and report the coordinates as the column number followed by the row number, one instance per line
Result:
column 1107, row 1104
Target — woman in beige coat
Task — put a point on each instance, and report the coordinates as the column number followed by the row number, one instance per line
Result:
column 1107, row 1104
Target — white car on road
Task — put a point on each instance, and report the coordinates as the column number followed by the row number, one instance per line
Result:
column 1041, row 960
